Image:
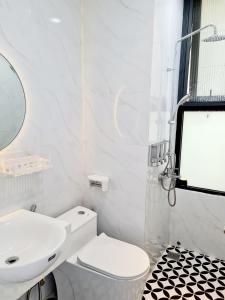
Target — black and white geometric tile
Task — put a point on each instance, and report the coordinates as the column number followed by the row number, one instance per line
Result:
column 189, row 276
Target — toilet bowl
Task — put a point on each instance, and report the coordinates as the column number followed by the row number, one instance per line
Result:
column 101, row 267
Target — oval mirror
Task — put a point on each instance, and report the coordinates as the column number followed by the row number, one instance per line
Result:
column 12, row 103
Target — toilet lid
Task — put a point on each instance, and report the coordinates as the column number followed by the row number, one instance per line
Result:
column 114, row 258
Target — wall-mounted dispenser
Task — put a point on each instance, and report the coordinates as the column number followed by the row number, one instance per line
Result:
column 101, row 182
column 157, row 154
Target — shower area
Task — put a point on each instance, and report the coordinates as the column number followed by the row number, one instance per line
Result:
column 184, row 232
column 196, row 214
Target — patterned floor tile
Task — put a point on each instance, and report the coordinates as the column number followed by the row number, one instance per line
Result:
column 186, row 275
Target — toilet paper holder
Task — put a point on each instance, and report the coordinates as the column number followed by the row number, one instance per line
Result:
column 99, row 181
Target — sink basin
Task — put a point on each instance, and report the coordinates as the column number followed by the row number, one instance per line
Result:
column 29, row 244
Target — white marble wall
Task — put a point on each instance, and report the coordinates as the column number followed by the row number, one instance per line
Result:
column 198, row 222
column 117, row 75
column 42, row 40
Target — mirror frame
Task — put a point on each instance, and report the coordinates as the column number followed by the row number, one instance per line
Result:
column 25, row 103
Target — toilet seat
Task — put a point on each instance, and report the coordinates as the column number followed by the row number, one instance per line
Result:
column 114, row 258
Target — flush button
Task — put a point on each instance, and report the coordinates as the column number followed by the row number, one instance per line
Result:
column 81, row 212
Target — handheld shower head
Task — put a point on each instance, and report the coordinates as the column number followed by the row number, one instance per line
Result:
column 183, row 100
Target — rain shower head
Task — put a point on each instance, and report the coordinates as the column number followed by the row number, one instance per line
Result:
column 214, row 38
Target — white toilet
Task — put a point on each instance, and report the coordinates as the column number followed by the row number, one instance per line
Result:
column 102, row 268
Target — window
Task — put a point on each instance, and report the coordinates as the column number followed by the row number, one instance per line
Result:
column 200, row 139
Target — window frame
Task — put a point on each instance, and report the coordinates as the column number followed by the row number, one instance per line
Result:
column 197, row 106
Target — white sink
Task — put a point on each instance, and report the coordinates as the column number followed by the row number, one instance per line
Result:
column 29, row 244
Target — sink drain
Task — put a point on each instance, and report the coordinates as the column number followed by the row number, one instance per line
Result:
column 11, row 260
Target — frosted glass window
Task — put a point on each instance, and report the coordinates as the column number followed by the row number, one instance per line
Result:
column 202, row 158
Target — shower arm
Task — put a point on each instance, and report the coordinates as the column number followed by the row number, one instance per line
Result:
column 197, row 31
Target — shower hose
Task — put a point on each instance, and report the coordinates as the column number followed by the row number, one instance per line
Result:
column 169, row 173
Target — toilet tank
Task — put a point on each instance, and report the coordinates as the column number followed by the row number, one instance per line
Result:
column 83, row 222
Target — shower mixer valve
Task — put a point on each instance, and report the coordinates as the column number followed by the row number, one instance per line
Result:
column 169, row 174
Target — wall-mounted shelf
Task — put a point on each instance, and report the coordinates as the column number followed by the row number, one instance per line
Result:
column 23, row 165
